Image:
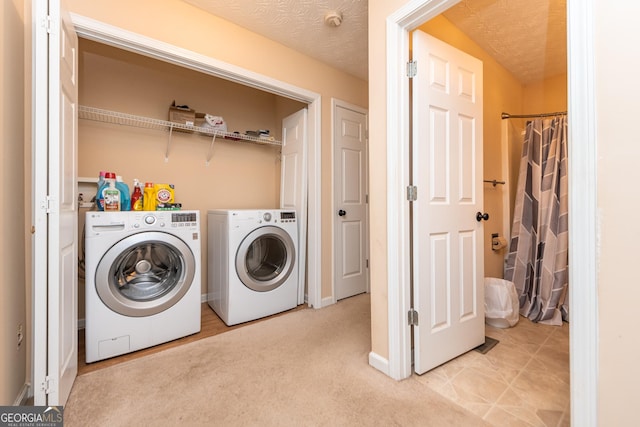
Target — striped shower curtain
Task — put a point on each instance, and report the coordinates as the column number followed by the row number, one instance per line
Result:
column 538, row 251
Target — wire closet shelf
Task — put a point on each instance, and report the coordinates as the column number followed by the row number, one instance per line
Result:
column 123, row 119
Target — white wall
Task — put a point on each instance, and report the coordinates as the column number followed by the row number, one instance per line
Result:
column 618, row 177
column 13, row 359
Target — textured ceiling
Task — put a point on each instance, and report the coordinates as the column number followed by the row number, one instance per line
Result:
column 299, row 24
column 527, row 37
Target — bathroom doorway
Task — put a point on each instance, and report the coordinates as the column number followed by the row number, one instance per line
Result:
column 582, row 194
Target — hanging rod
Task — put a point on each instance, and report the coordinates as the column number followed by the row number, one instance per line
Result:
column 530, row 116
column 494, row 182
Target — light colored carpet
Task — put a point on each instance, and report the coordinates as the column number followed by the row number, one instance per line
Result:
column 305, row 368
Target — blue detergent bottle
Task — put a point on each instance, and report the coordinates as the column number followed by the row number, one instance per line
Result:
column 98, row 197
column 125, row 196
column 101, row 178
column 102, row 185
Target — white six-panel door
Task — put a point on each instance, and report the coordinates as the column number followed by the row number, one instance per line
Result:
column 350, row 204
column 448, row 257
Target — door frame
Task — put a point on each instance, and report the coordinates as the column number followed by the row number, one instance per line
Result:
column 582, row 196
column 113, row 36
column 346, row 105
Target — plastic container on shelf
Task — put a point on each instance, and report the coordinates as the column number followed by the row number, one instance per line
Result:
column 136, row 196
column 111, row 194
column 125, row 198
column 149, row 197
column 101, row 178
column 106, row 178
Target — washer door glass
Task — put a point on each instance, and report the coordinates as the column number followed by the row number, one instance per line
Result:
column 265, row 258
column 145, row 274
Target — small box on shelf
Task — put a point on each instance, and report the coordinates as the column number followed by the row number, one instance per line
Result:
column 182, row 115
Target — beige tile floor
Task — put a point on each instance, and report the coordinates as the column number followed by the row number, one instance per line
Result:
column 522, row 381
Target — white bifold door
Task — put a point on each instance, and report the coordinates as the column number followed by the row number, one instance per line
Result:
column 447, row 236
column 293, row 184
column 54, row 216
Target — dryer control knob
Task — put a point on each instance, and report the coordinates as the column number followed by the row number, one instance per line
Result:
column 136, row 225
column 150, row 219
column 267, row 216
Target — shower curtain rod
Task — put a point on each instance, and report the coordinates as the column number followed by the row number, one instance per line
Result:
column 529, row 116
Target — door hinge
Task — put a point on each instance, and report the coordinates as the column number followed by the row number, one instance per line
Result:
column 47, row 384
column 366, row 198
column 412, row 317
column 47, row 204
column 46, row 24
column 367, row 263
column 412, row 69
column 412, row 193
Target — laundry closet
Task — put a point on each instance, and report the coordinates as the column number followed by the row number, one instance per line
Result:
column 206, row 172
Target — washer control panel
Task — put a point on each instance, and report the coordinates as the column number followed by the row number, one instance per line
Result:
column 184, row 219
column 100, row 223
column 169, row 219
column 274, row 216
column 277, row 217
column 181, row 217
column 287, row 216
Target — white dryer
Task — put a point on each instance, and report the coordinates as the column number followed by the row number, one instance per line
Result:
column 142, row 280
column 252, row 263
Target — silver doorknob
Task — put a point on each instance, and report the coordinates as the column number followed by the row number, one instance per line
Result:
column 342, row 212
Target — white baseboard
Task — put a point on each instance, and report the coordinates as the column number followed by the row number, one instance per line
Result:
column 81, row 323
column 326, row 302
column 21, row 398
column 204, row 298
column 379, row 362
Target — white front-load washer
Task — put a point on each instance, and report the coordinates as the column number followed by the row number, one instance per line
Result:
column 252, row 263
column 143, row 280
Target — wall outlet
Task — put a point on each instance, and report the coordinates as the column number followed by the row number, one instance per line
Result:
column 20, row 335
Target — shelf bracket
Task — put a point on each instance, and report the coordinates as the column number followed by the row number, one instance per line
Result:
column 166, row 151
column 210, row 153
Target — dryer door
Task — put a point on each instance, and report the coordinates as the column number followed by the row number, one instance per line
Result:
column 265, row 258
column 145, row 274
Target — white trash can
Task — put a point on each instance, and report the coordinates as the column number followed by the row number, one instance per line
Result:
column 501, row 306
